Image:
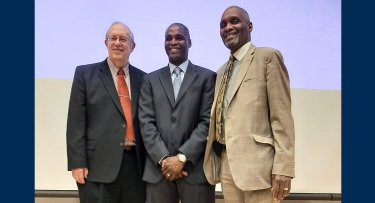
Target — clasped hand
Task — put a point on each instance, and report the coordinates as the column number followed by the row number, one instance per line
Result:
column 172, row 168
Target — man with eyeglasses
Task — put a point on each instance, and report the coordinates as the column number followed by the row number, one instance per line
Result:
column 104, row 147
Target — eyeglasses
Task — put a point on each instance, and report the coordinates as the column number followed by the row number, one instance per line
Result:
column 122, row 40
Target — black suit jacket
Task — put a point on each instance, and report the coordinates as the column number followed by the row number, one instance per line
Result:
column 168, row 126
column 96, row 123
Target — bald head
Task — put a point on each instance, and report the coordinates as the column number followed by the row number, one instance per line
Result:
column 241, row 10
column 235, row 28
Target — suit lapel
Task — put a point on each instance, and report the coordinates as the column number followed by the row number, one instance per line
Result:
column 135, row 85
column 186, row 82
column 219, row 78
column 166, row 82
column 244, row 67
column 106, row 77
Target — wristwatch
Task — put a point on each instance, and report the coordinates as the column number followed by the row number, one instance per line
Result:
column 181, row 157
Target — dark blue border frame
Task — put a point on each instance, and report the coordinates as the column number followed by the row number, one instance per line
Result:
column 17, row 101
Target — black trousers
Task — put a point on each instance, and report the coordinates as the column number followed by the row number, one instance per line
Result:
column 128, row 187
column 180, row 191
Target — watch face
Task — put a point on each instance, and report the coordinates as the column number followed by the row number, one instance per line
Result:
column 182, row 158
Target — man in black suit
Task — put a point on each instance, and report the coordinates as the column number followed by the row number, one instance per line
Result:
column 107, row 169
column 174, row 112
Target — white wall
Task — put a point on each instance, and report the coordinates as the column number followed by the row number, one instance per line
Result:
column 317, row 115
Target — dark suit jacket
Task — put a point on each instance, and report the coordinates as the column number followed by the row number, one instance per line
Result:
column 96, row 122
column 168, row 126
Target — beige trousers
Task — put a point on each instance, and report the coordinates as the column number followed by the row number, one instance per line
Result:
column 232, row 194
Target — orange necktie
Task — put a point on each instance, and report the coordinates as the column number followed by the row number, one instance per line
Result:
column 123, row 94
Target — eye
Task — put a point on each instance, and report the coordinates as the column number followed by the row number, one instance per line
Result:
column 180, row 37
column 235, row 21
column 123, row 40
column 223, row 24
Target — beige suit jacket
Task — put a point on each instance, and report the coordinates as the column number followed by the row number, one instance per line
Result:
column 259, row 129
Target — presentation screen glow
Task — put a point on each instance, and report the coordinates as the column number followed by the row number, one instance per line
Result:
column 308, row 33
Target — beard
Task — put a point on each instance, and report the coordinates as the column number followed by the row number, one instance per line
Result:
column 232, row 42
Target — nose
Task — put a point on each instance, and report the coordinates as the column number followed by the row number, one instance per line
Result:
column 228, row 27
column 173, row 41
column 117, row 41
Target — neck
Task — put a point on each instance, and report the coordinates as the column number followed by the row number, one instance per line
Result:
column 119, row 63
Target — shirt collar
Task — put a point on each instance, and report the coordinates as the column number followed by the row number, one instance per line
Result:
column 114, row 69
column 240, row 53
column 183, row 66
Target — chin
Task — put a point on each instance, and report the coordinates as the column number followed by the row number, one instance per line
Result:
column 118, row 57
column 174, row 57
column 231, row 43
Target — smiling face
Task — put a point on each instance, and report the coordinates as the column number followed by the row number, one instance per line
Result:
column 120, row 44
column 235, row 28
column 177, row 43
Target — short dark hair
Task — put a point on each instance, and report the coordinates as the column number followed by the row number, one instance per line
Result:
column 180, row 25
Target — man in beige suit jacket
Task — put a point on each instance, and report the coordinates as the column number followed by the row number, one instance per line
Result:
column 256, row 160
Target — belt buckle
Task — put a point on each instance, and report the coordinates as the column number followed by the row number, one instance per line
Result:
column 128, row 148
column 129, row 145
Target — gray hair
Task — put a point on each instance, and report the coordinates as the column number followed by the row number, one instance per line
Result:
column 131, row 36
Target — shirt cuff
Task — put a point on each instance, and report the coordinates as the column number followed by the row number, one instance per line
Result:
column 163, row 158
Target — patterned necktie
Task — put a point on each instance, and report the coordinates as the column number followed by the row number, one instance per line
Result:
column 176, row 81
column 220, row 98
column 123, row 94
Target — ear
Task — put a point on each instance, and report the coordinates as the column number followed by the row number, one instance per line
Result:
column 132, row 46
column 250, row 24
column 189, row 43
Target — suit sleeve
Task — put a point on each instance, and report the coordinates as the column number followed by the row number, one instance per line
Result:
column 279, row 100
column 76, row 125
column 149, row 132
column 194, row 147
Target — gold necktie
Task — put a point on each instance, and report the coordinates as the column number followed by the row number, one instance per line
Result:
column 220, row 97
